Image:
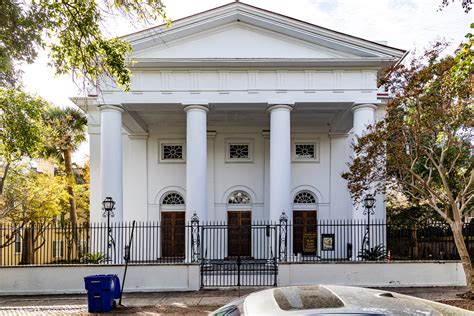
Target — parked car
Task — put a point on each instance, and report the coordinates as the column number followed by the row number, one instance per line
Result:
column 333, row 300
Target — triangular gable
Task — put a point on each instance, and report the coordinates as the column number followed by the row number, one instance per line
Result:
column 238, row 40
column 229, row 30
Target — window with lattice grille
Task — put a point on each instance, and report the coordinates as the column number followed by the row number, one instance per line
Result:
column 173, row 198
column 305, row 151
column 304, row 197
column 172, row 152
column 239, row 150
column 239, row 197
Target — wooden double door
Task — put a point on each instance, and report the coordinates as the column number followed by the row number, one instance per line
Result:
column 239, row 234
column 173, row 234
column 305, row 240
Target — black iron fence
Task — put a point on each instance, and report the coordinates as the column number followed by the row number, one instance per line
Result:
column 214, row 243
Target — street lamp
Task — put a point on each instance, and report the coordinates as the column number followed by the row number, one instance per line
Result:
column 369, row 203
column 108, row 205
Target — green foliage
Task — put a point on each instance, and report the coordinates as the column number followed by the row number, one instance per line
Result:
column 466, row 4
column 464, row 60
column 94, row 258
column 82, row 196
column 21, row 121
column 32, row 198
column 423, row 146
column 20, row 32
column 73, row 33
column 376, row 253
column 65, row 129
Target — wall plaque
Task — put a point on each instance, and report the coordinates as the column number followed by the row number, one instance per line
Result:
column 309, row 243
column 327, row 242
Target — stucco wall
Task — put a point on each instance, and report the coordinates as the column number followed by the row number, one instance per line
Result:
column 322, row 177
column 147, row 278
column 374, row 274
column 70, row 279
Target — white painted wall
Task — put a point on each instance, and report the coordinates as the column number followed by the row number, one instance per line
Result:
column 146, row 179
column 135, row 178
column 374, row 274
column 322, row 177
column 23, row 280
column 163, row 177
column 70, row 279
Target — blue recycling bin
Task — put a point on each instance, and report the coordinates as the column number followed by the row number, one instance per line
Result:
column 102, row 290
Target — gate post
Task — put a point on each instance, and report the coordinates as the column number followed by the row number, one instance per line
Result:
column 283, row 237
column 195, row 239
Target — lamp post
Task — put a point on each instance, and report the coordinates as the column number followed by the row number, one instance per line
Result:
column 369, row 203
column 108, row 205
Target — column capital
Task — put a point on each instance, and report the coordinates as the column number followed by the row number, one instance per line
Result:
column 203, row 107
column 279, row 106
column 138, row 136
column 110, row 107
column 211, row 134
column 358, row 106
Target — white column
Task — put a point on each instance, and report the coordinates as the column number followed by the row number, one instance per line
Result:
column 196, row 161
column 364, row 115
column 111, row 180
column 280, row 160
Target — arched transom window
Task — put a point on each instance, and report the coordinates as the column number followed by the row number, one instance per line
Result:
column 304, row 197
column 173, row 198
column 239, row 197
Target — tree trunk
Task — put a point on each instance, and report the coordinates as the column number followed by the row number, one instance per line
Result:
column 5, row 173
column 72, row 201
column 27, row 246
column 464, row 255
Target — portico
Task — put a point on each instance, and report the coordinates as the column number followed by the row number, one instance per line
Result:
column 235, row 114
column 278, row 125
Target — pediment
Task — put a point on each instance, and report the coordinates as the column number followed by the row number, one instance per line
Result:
column 239, row 40
column 238, row 31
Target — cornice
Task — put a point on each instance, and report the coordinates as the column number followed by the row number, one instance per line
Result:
column 302, row 63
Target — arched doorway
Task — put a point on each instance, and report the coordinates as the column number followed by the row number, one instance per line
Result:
column 173, row 225
column 305, row 238
column 239, row 223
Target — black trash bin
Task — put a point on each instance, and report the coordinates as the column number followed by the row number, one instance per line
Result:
column 102, row 290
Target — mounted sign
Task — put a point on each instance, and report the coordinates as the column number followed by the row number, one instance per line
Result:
column 309, row 243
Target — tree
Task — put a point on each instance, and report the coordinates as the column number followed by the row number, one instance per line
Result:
column 423, row 147
column 466, row 4
column 30, row 201
column 21, row 127
column 72, row 33
column 66, row 131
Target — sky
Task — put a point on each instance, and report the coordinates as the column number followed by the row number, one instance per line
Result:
column 407, row 24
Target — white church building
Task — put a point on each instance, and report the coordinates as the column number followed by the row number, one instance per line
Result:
column 235, row 114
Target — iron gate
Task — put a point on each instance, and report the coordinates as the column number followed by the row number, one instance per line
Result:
column 257, row 267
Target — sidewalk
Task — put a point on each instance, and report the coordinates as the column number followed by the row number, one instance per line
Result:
column 169, row 303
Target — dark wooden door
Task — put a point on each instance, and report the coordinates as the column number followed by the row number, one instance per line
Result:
column 305, row 232
column 239, row 233
column 173, row 234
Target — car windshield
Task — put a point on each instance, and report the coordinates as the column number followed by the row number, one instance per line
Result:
column 234, row 308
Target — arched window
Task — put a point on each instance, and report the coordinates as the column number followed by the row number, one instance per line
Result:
column 239, row 197
column 173, row 198
column 304, row 197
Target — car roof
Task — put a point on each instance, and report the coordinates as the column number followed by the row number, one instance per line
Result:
column 335, row 300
